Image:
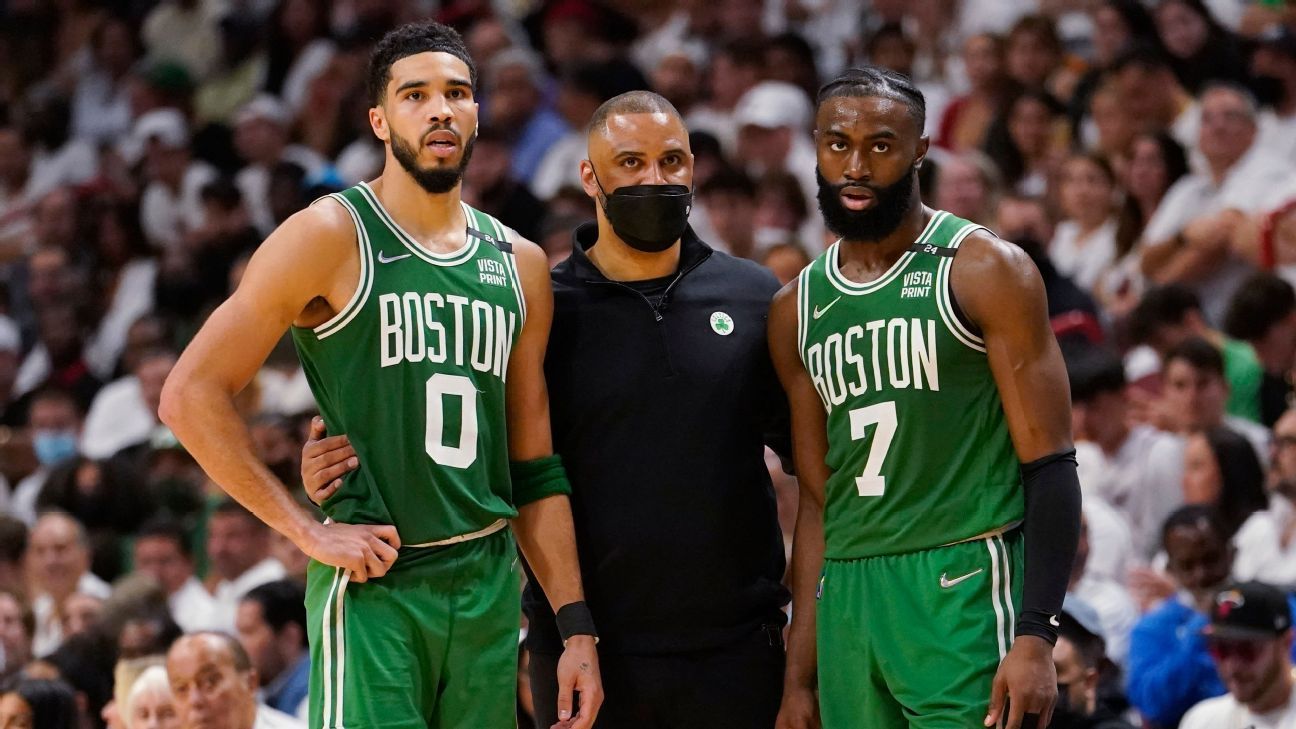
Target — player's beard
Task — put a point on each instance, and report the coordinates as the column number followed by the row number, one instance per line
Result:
column 872, row 225
column 436, row 180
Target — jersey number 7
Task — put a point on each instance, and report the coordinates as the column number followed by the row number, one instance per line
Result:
column 883, row 415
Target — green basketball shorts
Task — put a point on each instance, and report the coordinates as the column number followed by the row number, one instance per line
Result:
column 431, row 644
column 914, row 640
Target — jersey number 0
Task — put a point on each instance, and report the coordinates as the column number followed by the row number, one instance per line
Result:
column 462, row 455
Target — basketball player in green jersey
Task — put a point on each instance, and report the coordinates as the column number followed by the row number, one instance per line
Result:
column 931, row 425
column 421, row 324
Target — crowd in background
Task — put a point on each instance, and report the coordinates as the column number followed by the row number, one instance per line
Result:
column 1141, row 153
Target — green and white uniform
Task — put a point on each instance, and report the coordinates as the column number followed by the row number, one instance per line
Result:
column 920, row 580
column 413, row 370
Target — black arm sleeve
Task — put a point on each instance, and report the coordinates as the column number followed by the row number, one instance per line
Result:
column 1052, row 531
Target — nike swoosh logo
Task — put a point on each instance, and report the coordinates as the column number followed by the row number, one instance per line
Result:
column 1054, row 621
column 820, row 312
column 947, row 583
column 382, row 257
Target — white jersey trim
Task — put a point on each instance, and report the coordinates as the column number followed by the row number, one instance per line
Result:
column 363, row 287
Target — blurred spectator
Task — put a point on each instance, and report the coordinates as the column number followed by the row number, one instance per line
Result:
column 38, row 704
column 772, row 120
column 146, row 631
column 55, row 423
column 1170, row 668
column 124, row 412
column 1263, row 314
column 1187, row 239
column 214, row 684
column 238, row 545
column 729, row 199
column 272, row 628
column 162, row 551
column 1033, row 53
column 58, row 358
column 171, row 204
column 239, row 72
column 1113, row 127
column 1118, row 25
column 101, row 110
column 1135, row 468
column 786, row 260
column 581, row 88
column 81, row 613
column 58, row 566
column 261, row 137
column 489, row 185
column 1079, row 657
column 1200, row 49
column 967, row 119
column 1084, row 242
column 107, row 499
column 125, row 276
column 299, row 49
column 150, row 704
column 1273, row 68
column 195, row 277
column 1221, row 470
column 184, row 31
column 1156, row 162
column 678, row 77
column 13, row 553
column 514, row 86
column 85, row 661
column 968, row 186
column 1195, row 392
column 1026, row 142
column 1115, row 611
column 790, row 59
column 1170, row 315
column 17, row 629
column 1153, row 94
column 286, row 191
column 1266, row 543
column 57, row 158
column 10, row 358
column 782, row 215
column 736, row 66
column 1025, row 221
column 1250, row 641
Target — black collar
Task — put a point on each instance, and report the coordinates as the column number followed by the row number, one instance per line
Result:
column 692, row 252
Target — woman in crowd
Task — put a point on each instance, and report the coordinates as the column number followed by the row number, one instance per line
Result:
column 1221, row 469
column 1084, row 243
column 38, row 704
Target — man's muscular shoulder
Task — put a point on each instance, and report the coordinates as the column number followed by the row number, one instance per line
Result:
column 988, row 273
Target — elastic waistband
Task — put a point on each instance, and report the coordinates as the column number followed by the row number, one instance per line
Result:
column 495, row 526
column 997, row 532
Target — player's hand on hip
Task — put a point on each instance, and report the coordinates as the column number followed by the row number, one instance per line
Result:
column 366, row 550
column 799, row 710
column 578, row 670
column 325, row 461
column 1027, row 679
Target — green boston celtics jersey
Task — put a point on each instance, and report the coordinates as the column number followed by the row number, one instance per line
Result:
column 917, row 441
column 413, row 370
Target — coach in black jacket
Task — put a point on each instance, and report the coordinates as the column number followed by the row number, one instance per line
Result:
column 662, row 398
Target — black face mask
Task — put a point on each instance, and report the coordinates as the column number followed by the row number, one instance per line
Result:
column 649, row 218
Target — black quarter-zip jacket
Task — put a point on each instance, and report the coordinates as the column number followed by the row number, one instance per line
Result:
column 661, row 413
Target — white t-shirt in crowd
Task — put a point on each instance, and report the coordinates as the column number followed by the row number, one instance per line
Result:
column 1260, row 553
column 1224, row 712
column 1143, row 481
column 1085, row 259
column 1195, row 195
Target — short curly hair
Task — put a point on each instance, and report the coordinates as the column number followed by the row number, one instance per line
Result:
column 411, row 39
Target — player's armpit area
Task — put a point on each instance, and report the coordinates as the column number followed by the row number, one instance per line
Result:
column 998, row 287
